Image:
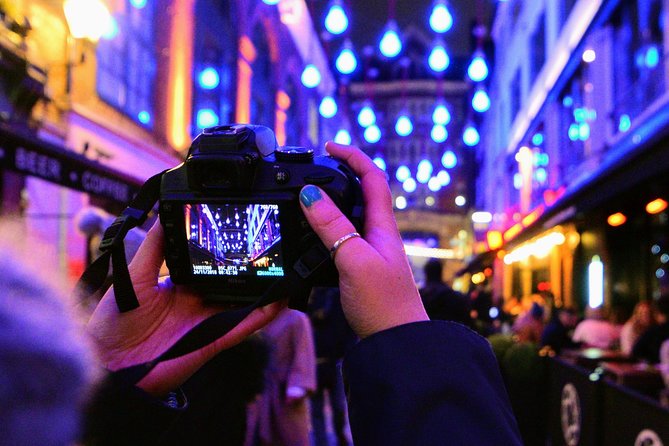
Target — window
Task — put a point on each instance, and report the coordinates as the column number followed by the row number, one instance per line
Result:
column 127, row 62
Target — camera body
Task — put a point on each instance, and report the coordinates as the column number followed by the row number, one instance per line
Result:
column 231, row 215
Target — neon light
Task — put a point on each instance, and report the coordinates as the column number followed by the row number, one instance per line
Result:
column 539, row 248
column 435, row 253
column 180, row 82
column 595, row 283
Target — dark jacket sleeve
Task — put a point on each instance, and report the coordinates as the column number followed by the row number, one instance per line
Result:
column 427, row 383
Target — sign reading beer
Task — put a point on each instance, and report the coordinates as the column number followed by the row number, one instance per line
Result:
column 31, row 156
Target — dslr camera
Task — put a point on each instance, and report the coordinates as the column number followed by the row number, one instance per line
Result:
column 231, row 216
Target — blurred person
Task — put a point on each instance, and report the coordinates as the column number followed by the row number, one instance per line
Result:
column 408, row 379
column 597, row 331
column 440, row 300
column 280, row 416
column 647, row 347
column 332, row 338
column 529, row 326
column 557, row 333
column 643, row 317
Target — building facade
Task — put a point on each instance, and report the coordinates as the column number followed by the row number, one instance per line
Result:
column 573, row 159
column 86, row 119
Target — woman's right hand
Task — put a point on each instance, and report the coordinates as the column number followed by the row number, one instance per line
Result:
column 377, row 287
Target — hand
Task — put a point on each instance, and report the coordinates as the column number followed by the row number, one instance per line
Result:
column 166, row 312
column 375, row 280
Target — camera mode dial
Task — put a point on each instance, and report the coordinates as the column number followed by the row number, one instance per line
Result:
column 294, row 154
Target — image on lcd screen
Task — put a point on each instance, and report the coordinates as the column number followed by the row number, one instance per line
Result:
column 234, row 239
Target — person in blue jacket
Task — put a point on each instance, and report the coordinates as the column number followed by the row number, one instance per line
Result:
column 409, row 380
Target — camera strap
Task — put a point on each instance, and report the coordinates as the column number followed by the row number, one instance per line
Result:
column 294, row 286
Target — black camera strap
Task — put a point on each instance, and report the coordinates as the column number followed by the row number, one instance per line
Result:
column 294, row 286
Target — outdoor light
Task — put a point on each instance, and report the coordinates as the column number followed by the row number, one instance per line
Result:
column 449, row 160
column 380, row 162
column 424, row 171
column 478, row 69
column 372, row 134
column 328, row 107
column 595, row 283
column 311, row 77
column 481, row 217
column 400, row 202
column 656, row 206
column 434, row 184
column 206, row 117
column 624, row 123
column 460, row 200
column 409, row 185
column 441, row 19
column 144, row 117
column 481, row 101
column 441, row 115
column 616, row 219
column 404, row 126
column 538, row 139
column 366, row 117
column 589, row 55
column 208, row 78
column 270, row 2
column 139, row 4
column 438, row 59
column 336, row 21
column 346, row 62
column 471, row 136
column 343, row 137
column 444, row 178
column 390, row 44
column 402, row 173
column 439, row 133
column 87, row 19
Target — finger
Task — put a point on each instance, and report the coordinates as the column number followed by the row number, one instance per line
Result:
column 379, row 217
column 324, row 216
column 145, row 266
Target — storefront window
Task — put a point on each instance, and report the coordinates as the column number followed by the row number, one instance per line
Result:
column 126, row 62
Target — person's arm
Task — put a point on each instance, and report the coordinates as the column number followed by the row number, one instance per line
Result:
column 302, row 376
column 410, row 380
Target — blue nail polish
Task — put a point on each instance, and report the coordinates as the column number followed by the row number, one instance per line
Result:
column 309, row 195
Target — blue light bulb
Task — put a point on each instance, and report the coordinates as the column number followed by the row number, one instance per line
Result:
column 311, row 77
column 343, row 137
column 206, row 117
column 404, row 126
column 652, row 57
column 402, row 173
column 449, row 160
column 139, row 4
column 390, row 44
column 208, row 78
column 471, row 136
column 478, row 69
column 441, row 19
column 144, row 117
column 409, row 185
column 346, row 62
column 372, row 134
column 439, row 59
column 444, row 178
column 434, row 184
column 538, row 139
column 481, row 101
column 336, row 21
column 380, row 162
column 439, row 133
column 624, row 123
column 424, row 171
column 441, row 115
column 328, row 107
column 366, row 117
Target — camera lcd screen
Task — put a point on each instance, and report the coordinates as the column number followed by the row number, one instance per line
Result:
column 234, row 239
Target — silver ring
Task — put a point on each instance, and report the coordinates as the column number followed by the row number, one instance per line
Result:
column 341, row 241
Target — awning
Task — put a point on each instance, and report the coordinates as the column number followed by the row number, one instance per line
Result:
column 23, row 152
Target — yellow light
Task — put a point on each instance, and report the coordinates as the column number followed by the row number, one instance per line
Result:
column 478, row 278
column 436, row 253
column 616, row 219
column 494, row 239
column 539, row 248
column 656, row 206
column 512, row 231
column 87, row 19
column 532, row 216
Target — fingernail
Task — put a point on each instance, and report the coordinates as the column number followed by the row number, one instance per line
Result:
column 309, row 195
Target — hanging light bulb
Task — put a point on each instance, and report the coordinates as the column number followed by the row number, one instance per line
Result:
column 311, row 77
column 449, row 160
column 439, row 133
column 471, row 136
column 343, row 137
column 336, row 21
column 209, row 78
column 444, row 178
column 481, row 101
column 380, row 162
column 478, row 68
column 441, row 115
column 424, row 171
column 390, row 44
column 441, row 19
column 404, row 126
column 409, row 185
column 372, row 134
column 366, row 117
column 346, row 62
column 439, row 59
column 402, row 173
column 328, row 107
column 434, row 184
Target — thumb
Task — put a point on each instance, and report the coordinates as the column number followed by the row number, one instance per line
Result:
column 323, row 215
